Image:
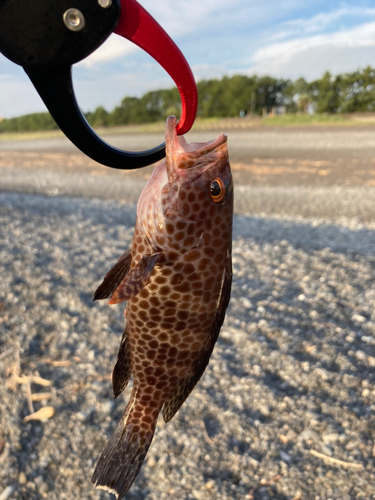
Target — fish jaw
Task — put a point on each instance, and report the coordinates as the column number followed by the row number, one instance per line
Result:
column 182, row 156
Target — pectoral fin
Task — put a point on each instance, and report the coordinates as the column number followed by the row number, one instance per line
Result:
column 136, row 280
column 114, row 277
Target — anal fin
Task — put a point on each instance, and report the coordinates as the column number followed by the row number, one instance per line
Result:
column 122, row 371
column 174, row 403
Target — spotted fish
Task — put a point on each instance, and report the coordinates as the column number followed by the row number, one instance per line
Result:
column 176, row 279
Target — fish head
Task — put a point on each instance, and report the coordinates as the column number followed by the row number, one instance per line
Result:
column 200, row 186
column 189, row 192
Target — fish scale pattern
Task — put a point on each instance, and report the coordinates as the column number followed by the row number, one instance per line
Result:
column 173, row 321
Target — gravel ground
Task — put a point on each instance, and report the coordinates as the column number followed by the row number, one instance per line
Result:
column 292, row 375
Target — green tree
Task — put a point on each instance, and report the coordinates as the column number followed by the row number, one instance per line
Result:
column 326, row 93
column 358, row 91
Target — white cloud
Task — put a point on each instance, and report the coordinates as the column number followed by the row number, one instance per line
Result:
column 321, row 21
column 113, row 48
column 342, row 51
column 185, row 16
column 208, row 71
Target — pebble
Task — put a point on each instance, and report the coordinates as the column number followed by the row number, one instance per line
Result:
column 264, row 410
column 210, row 484
column 285, row 457
column 22, row 479
column 326, row 450
column 199, row 495
column 358, row 318
column 330, row 438
column 151, row 462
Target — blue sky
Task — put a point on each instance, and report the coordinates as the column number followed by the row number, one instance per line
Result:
column 287, row 38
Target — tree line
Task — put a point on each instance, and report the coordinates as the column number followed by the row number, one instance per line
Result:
column 228, row 97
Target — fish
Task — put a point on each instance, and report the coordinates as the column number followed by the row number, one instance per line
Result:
column 176, row 279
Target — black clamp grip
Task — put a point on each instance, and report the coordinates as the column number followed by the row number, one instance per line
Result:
column 46, row 37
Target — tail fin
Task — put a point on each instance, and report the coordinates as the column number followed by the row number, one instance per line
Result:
column 126, row 449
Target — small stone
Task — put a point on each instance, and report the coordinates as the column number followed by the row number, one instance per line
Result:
column 163, row 460
column 309, row 435
column 254, row 462
column 43, row 488
column 151, row 462
column 351, row 445
column 326, row 450
column 22, row 479
column 330, row 437
column 91, row 355
column 301, row 297
column 106, row 407
column 367, row 339
column 5, row 494
column 210, row 484
column 358, row 318
column 264, row 410
column 285, row 457
column 323, row 374
column 257, row 370
column 365, row 393
column 199, row 495
column 291, row 435
column 371, row 361
column 360, row 355
column 246, row 302
column 305, row 366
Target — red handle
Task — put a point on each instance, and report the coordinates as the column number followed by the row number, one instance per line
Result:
column 139, row 27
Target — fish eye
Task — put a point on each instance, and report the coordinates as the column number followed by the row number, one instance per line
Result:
column 217, row 190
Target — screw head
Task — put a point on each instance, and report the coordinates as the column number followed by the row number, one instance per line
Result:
column 74, row 20
column 105, row 3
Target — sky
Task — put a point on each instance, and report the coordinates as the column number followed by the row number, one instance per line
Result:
column 287, row 39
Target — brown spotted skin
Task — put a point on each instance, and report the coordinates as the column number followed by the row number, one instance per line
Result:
column 175, row 314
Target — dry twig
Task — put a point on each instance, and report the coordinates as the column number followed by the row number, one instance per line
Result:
column 29, row 397
column 41, row 396
column 335, row 460
column 57, row 363
column 42, row 414
column 210, row 441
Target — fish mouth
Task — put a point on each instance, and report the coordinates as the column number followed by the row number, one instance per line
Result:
column 182, row 155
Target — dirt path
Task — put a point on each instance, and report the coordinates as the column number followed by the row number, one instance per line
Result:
column 310, row 171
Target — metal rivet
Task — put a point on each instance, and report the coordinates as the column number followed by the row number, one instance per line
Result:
column 105, row 3
column 74, row 20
